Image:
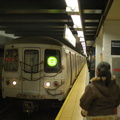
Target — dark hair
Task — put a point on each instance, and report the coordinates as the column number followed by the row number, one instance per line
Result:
column 104, row 71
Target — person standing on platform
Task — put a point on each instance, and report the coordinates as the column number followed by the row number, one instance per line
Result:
column 102, row 96
column 92, row 67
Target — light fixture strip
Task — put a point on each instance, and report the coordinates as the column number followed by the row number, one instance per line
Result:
column 73, row 5
column 73, row 10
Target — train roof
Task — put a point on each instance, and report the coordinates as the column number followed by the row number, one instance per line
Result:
column 36, row 40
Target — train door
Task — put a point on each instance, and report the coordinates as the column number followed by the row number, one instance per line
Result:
column 1, row 63
column 30, row 70
column 116, row 69
column 75, row 63
column 69, row 71
column 73, row 68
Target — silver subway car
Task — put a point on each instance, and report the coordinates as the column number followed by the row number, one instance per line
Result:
column 38, row 68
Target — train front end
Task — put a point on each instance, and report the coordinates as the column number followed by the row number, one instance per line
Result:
column 33, row 73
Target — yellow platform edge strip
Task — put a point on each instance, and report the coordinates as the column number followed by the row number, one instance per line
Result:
column 63, row 106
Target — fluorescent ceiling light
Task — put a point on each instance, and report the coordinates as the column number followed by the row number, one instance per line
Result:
column 73, row 5
column 85, row 53
column 80, row 33
column 77, row 21
column 83, row 43
column 84, row 48
column 82, row 39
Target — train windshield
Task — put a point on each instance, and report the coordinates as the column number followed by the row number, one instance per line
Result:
column 31, row 61
column 52, row 61
column 11, row 60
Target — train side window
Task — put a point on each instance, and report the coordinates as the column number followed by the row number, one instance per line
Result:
column 52, row 61
column 31, row 61
column 11, row 60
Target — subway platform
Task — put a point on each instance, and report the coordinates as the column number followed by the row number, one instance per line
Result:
column 71, row 110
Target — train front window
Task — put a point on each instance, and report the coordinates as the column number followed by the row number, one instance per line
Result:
column 31, row 61
column 11, row 60
column 52, row 61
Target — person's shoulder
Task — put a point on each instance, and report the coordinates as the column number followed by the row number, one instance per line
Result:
column 94, row 79
column 90, row 86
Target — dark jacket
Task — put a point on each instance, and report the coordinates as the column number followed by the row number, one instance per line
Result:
column 100, row 100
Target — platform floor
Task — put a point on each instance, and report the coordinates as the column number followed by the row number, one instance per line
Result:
column 70, row 110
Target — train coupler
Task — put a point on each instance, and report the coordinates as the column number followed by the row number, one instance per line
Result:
column 29, row 107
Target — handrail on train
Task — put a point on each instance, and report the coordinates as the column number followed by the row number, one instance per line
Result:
column 37, row 72
column 31, row 71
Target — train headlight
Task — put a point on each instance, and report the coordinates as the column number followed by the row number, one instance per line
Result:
column 47, row 84
column 14, row 82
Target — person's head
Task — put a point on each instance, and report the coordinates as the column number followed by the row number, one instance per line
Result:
column 93, row 57
column 103, row 70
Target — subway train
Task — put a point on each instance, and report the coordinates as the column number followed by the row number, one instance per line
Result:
column 39, row 68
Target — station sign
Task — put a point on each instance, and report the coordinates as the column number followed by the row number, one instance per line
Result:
column 69, row 36
column 115, row 47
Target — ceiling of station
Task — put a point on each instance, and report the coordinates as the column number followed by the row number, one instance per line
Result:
column 48, row 17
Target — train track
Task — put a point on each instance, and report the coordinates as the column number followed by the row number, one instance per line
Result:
column 13, row 112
